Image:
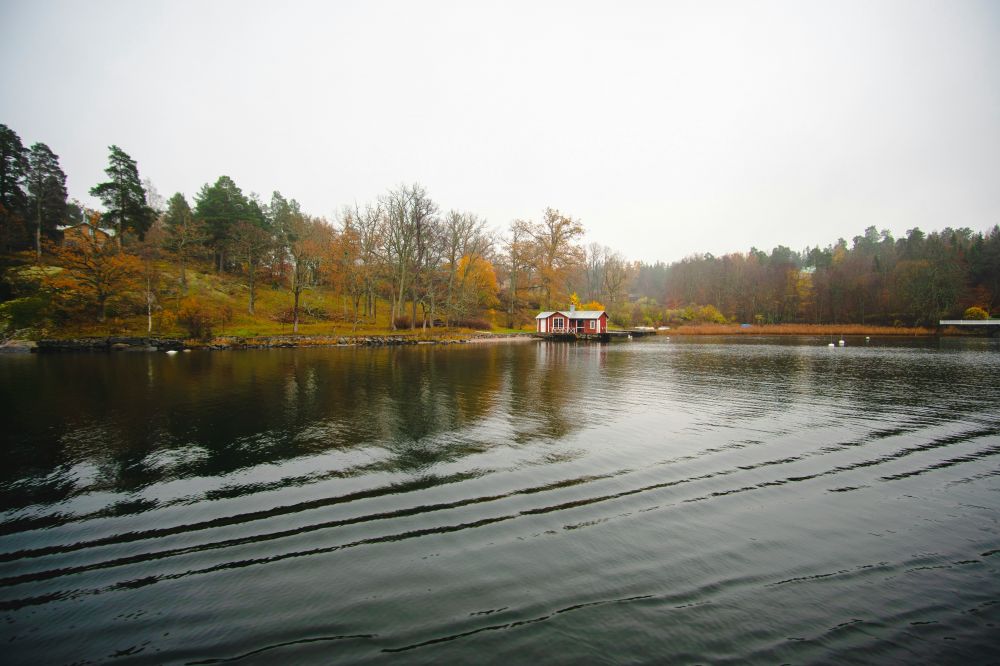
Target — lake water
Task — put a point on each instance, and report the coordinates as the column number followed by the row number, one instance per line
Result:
column 686, row 500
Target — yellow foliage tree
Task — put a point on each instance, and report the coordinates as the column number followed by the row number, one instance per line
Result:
column 478, row 288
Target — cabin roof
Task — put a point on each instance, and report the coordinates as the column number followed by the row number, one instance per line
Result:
column 578, row 314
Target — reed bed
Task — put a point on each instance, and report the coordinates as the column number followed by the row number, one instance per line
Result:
column 797, row 329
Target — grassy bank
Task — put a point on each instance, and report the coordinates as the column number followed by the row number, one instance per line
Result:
column 223, row 298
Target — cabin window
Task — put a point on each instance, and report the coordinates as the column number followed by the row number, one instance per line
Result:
column 591, row 323
column 558, row 322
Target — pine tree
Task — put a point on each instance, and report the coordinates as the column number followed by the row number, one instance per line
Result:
column 13, row 201
column 46, row 193
column 221, row 206
column 124, row 196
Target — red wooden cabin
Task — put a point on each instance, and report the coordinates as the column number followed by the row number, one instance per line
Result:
column 587, row 322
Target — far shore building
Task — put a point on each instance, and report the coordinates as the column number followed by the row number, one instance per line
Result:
column 587, row 322
column 76, row 234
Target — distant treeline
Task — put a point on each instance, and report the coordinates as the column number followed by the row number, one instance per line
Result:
column 428, row 266
column 873, row 279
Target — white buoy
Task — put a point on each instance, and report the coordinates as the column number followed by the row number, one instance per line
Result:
column 868, row 338
column 841, row 343
column 186, row 351
column 171, row 351
column 831, row 345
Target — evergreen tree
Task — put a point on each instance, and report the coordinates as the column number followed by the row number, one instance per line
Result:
column 220, row 207
column 185, row 236
column 46, row 193
column 13, row 201
column 124, row 196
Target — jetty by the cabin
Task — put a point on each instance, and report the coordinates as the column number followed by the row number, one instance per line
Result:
column 990, row 326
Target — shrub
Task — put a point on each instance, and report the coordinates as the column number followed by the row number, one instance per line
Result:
column 477, row 324
column 976, row 313
column 196, row 317
column 711, row 315
column 22, row 312
column 403, row 321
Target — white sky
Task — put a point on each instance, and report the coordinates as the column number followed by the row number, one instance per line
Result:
column 667, row 128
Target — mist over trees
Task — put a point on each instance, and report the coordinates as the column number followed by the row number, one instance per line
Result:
column 417, row 264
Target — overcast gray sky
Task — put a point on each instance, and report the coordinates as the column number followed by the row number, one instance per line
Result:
column 667, row 128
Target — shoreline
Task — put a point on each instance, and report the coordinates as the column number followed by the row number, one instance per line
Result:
column 108, row 344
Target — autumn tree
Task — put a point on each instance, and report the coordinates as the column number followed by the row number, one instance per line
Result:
column 616, row 274
column 184, row 236
column 517, row 257
column 478, row 288
column 370, row 224
column 593, row 269
column 429, row 276
column 342, row 268
column 556, row 237
column 308, row 241
column 408, row 211
column 154, row 200
column 150, row 252
column 124, row 197
column 250, row 244
column 465, row 242
column 95, row 271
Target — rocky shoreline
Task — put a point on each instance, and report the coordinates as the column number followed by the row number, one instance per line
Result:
column 153, row 344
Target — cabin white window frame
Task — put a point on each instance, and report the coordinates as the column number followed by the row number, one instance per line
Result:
column 558, row 324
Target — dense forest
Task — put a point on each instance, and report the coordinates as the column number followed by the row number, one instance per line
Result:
column 403, row 261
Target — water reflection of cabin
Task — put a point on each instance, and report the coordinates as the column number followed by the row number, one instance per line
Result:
column 585, row 322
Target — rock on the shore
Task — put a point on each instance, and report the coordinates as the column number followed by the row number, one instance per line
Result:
column 117, row 344
column 18, row 347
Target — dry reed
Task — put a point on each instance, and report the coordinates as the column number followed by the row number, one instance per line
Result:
column 796, row 329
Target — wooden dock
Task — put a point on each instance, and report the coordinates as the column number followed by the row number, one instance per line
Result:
column 990, row 326
column 600, row 337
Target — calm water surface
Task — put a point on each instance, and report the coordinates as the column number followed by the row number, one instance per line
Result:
column 711, row 500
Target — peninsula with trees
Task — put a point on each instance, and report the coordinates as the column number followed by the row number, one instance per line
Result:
column 221, row 262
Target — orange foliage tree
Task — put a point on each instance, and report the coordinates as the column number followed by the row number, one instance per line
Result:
column 94, row 271
column 342, row 266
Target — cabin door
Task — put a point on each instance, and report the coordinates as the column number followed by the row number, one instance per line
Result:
column 542, row 322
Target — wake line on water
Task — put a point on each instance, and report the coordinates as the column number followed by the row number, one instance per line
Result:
column 148, row 580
